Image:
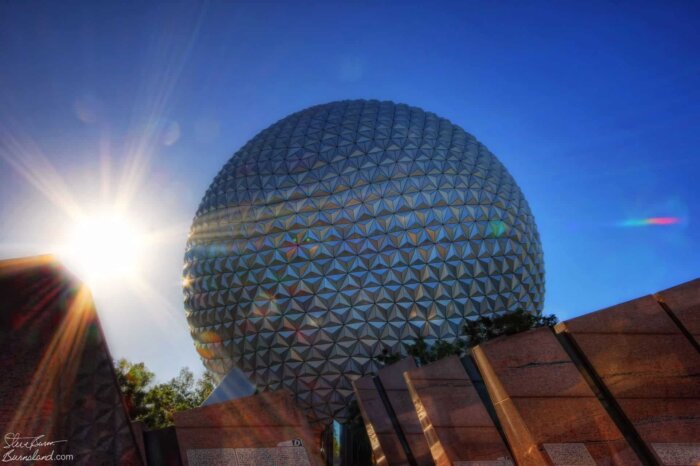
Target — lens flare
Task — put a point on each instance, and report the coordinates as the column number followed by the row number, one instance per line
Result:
column 104, row 247
column 650, row 221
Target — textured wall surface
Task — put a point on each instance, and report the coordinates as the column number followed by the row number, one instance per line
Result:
column 263, row 429
column 57, row 382
column 616, row 387
column 346, row 228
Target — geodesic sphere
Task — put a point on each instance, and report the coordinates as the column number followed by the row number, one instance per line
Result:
column 347, row 228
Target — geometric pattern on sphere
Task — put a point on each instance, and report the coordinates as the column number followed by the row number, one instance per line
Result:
column 347, row 228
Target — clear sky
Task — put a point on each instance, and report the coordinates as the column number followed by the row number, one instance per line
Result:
column 592, row 106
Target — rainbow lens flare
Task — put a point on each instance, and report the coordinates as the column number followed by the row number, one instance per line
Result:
column 651, row 221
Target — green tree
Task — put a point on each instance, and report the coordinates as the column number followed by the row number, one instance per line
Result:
column 164, row 399
column 476, row 331
column 204, row 387
column 485, row 328
column 426, row 354
column 134, row 380
column 155, row 404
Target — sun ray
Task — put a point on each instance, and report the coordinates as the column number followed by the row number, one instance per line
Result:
column 169, row 56
column 28, row 161
column 164, row 313
column 60, row 359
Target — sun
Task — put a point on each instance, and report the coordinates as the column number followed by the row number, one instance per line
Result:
column 104, row 248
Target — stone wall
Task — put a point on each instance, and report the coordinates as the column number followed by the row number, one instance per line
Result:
column 58, row 384
column 620, row 386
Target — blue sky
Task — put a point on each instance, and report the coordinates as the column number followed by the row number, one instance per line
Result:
column 592, row 106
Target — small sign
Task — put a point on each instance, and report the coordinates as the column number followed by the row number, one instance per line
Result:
column 678, row 454
column 569, row 454
column 497, row 462
column 297, row 442
column 279, row 456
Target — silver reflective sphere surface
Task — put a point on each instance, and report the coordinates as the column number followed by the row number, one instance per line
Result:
column 347, row 228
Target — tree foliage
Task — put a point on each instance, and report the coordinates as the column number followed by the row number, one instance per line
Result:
column 154, row 404
column 485, row 328
column 134, row 380
column 426, row 354
column 475, row 331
